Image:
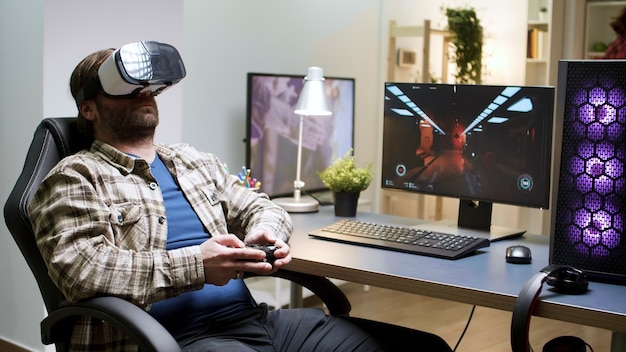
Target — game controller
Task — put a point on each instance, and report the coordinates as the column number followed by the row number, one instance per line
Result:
column 268, row 249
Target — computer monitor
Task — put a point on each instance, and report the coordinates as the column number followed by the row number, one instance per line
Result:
column 272, row 131
column 482, row 144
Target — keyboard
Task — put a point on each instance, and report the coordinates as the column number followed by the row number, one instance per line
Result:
column 401, row 239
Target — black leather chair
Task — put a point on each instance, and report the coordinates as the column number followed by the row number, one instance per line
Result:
column 54, row 139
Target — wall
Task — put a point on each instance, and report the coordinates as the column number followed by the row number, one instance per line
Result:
column 116, row 24
column 225, row 42
column 501, row 49
column 43, row 41
column 21, row 104
column 220, row 42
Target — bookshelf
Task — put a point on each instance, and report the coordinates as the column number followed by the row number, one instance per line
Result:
column 544, row 41
column 538, row 42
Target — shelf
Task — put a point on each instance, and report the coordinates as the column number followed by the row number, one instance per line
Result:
column 540, row 25
column 594, row 55
column 598, row 17
column 605, row 3
column 538, row 46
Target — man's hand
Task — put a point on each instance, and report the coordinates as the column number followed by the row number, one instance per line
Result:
column 281, row 253
column 225, row 257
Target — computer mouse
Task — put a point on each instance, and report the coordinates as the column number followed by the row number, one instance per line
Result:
column 518, row 254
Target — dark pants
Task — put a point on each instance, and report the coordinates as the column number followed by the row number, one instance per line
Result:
column 306, row 330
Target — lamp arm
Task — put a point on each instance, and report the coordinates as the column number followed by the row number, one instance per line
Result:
column 298, row 183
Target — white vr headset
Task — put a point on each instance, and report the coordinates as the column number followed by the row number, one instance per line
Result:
column 135, row 68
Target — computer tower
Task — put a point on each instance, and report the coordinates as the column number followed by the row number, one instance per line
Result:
column 589, row 218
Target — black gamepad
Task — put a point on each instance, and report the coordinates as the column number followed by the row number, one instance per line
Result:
column 268, row 249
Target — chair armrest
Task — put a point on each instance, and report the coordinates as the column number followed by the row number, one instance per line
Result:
column 148, row 333
column 331, row 295
column 140, row 326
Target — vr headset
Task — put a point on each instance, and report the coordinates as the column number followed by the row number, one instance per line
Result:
column 135, row 68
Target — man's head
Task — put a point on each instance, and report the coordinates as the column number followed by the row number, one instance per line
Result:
column 114, row 89
column 618, row 24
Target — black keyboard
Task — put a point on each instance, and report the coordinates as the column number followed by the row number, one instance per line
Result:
column 402, row 239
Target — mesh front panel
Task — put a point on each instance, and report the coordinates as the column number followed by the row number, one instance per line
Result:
column 589, row 228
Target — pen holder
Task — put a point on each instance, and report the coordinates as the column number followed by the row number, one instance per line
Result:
column 247, row 180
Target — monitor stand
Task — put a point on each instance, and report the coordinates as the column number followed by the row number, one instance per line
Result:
column 474, row 220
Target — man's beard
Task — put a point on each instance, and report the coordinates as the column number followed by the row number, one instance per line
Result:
column 128, row 122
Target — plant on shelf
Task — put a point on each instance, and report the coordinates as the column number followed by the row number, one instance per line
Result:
column 346, row 180
column 543, row 13
column 467, row 39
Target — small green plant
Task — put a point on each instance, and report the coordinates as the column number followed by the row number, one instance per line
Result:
column 344, row 176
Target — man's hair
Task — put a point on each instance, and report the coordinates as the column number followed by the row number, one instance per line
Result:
column 84, row 71
column 619, row 23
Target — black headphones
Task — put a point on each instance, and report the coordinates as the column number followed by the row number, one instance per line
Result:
column 565, row 279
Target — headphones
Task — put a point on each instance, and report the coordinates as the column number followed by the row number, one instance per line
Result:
column 565, row 279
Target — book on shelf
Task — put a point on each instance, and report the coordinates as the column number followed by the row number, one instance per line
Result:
column 536, row 44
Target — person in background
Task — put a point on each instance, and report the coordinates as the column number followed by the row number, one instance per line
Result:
column 617, row 49
column 166, row 227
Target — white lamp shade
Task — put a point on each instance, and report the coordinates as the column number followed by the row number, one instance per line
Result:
column 312, row 100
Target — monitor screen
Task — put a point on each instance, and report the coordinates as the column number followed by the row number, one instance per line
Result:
column 482, row 143
column 273, row 127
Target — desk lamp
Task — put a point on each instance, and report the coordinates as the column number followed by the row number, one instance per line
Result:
column 312, row 102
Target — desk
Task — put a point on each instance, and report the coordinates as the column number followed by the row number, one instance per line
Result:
column 483, row 279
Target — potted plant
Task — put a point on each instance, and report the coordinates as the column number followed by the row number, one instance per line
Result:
column 543, row 13
column 346, row 180
column 467, row 39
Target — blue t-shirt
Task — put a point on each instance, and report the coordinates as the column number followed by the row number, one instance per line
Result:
column 192, row 309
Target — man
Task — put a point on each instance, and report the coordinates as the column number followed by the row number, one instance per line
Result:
column 617, row 48
column 165, row 227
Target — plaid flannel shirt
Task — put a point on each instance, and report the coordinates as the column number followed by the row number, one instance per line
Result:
column 101, row 227
column 617, row 49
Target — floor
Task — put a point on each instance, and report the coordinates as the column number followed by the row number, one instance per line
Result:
column 489, row 329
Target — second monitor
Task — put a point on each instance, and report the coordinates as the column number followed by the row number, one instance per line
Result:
column 482, row 144
column 272, row 131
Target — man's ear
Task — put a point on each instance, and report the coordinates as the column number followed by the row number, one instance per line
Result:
column 88, row 109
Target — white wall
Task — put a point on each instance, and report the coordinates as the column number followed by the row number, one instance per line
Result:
column 73, row 29
column 42, row 41
column 225, row 40
column 503, row 22
column 220, row 42
column 21, row 101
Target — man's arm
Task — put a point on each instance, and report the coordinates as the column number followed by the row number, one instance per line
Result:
column 96, row 246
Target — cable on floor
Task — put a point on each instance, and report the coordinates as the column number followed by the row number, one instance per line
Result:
column 465, row 329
